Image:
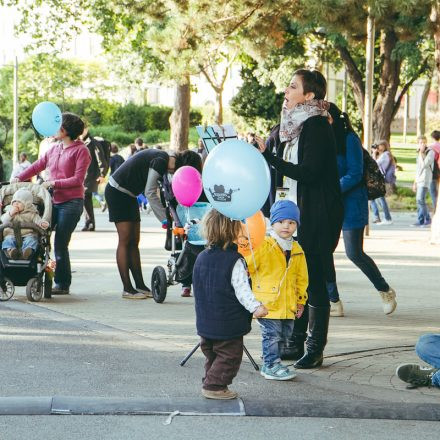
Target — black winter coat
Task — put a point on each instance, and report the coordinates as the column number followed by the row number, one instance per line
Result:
column 98, row 166
column 319, row 193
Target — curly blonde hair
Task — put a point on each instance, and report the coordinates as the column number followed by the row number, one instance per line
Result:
column 219, row 230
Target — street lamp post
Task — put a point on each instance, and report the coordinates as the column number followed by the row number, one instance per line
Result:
column 15, row 124
column 369, row 75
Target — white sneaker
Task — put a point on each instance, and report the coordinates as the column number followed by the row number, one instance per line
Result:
column 137, row 295
column 389, row 303
column 146, row 293
column 385, row 222
column 336, row 309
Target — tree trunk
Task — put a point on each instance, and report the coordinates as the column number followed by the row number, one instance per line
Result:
column 219, row 106
column 421, row 120
column 383, row 112
column 435, row 20
column 357, row 82
column 179, row 119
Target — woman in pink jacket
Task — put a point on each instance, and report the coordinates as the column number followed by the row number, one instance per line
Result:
column 66, row 164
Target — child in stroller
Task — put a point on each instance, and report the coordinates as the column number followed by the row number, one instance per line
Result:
column 183, row 240
column 25, row 240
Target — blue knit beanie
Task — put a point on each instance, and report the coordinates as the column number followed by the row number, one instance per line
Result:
column 284, row 210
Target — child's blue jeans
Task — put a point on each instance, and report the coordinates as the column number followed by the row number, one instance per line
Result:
column 428, row 349
column 29, row 241
column 273, row 331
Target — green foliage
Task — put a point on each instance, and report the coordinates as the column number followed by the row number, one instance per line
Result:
column 259, row 105
column 118, row 134
column 158, row 117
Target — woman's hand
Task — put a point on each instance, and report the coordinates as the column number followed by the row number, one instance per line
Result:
column 299, row 310
column 414, row 187
column 47, row 184
column 261, row 144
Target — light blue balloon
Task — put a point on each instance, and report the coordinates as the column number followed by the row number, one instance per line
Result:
column 46, row 118
column 236, row 179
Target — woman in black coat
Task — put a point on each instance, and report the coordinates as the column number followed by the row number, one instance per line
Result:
column 306, row 157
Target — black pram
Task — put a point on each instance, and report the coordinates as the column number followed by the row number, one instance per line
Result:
column 31, row 273
column 184, row 247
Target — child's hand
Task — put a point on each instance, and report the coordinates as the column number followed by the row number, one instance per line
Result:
column 44, row 224
column 13, row 211
column 299, row 310
column 260, row 312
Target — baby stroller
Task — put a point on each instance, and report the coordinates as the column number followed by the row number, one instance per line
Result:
column 19, row 272
column 184, row 246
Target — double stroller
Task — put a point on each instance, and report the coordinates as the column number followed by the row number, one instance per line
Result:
column 34, row 272
column 184, row 245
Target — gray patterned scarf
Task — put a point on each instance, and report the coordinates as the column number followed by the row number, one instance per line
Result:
column 292, row 120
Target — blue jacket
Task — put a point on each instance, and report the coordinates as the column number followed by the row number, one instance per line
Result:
column 350, row 168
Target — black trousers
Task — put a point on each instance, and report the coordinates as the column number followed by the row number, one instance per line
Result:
column 88, row 209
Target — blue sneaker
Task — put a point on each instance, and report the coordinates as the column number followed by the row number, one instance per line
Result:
column 277, row 372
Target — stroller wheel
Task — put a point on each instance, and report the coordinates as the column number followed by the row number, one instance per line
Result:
column 7, row 291
column 47, row 286
column 34, row 291
column 159, row 284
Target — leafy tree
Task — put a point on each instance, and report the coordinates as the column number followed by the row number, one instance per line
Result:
column 258, row 104
column 401, row 29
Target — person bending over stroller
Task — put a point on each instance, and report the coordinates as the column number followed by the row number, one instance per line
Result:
column 21, row 210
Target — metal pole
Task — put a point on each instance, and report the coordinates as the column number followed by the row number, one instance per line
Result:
column 405, row 117
column 15, row 124
column 344, row 92
column 369, row 75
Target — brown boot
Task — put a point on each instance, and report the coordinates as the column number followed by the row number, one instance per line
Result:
column 12, row 253
column 225, row 394
column 27, row 253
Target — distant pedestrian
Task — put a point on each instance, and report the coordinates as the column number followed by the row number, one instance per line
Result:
column 278, row 270
column 96, row 173
column 139, row 143
column 116, row 160
column 224, row 304
column 381, row 152
column 22, row 165
column 433, row 189
column 133, row 150
column 428, row 350
column 423, row 180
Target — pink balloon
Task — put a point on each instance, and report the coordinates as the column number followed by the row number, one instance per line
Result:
column 187, row 185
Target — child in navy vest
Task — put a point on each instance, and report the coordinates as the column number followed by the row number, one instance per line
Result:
column 224, row 304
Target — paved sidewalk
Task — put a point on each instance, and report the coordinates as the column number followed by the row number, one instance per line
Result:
column 364, row 347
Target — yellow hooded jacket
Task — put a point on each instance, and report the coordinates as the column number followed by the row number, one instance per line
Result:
column 278, row 285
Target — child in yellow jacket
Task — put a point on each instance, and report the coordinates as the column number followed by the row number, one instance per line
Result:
column 279, row 280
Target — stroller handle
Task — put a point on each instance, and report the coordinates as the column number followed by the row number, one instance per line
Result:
column 24, row 225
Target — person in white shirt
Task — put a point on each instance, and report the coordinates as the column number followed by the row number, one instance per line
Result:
column 22, row 164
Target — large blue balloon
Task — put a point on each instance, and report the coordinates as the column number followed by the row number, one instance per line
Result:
column 47, row 118
column 236, row 179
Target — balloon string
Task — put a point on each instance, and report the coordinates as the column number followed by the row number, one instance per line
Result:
column 252, row 253
column 188, row 220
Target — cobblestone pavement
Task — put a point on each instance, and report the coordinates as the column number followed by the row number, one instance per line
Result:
column 364, row 347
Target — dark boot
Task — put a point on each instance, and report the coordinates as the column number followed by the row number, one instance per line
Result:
column 318, row 329
column 293, row 347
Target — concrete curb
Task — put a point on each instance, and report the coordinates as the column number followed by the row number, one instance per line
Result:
column 68, row 405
